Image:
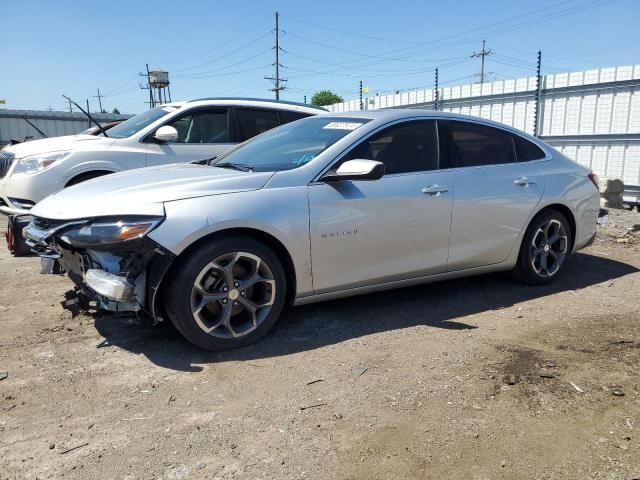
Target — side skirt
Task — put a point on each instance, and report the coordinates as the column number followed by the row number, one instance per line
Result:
column 504, row 266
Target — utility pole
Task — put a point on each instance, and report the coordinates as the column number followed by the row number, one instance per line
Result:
column 152, row 102
column 88, row 119
column 436, row 96
column 361, row 104
column 99, row 97
column 482, row 54
column 305, row 99
column 276, row 79
column 536, row 118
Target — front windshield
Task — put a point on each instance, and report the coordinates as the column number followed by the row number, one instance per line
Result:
column 292, row 145
column 138, row 122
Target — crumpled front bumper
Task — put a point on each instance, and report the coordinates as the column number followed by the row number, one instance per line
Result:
column 122, row 277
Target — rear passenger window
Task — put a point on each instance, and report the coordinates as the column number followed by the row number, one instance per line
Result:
column 407, row 147
column 526, row 150
column 287, row 116
column 465, row 144
column 254, row 122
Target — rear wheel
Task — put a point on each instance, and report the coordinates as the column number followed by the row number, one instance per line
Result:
column 227, row 293
column 546, row 246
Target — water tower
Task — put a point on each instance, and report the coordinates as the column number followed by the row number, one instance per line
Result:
column 159, row 84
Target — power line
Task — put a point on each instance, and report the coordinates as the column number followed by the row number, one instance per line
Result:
column 225, row 74
column 351, row 67
column 218, row 46
column 246, row 45
column 353, row 34
column 398, row 74
column 352, row 52
column 203, row 74
column 524, row 24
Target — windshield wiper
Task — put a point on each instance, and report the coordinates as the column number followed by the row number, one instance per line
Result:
column 234, row 166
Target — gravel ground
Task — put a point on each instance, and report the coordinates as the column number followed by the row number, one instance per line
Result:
column 480, row 378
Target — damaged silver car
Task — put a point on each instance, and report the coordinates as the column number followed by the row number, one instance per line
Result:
column 321, row 208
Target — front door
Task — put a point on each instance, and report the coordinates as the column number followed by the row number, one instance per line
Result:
column 369, row 232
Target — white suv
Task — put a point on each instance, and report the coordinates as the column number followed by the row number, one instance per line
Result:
column 175, row 132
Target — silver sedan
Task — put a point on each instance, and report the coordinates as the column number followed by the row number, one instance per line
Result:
column 324, row 207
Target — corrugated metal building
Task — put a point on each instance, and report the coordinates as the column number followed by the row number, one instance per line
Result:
column 591, row 116
column 53, row 124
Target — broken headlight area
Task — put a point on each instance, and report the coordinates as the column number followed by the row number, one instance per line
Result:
column 111, row 262
column 104, row 232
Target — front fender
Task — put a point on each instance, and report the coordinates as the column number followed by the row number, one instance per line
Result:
column 73, row 171
column 282, row 213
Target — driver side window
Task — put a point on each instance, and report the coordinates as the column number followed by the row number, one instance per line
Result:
column 203, row 126
column 403, row 148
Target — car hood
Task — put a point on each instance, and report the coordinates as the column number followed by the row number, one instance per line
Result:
column 56, row 144
column 143, row 191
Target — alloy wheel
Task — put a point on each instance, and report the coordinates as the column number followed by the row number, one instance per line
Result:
column 232, row 295
column 549, row 248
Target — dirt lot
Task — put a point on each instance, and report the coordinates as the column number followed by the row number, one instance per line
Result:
column 480, row 378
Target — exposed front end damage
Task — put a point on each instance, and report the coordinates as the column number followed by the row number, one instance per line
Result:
column 120, row 276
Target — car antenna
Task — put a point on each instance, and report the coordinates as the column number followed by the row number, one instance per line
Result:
column 102, row 130
column 44, row 135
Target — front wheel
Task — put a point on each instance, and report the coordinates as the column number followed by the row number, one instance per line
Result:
column 545, row 248
column 227, row 293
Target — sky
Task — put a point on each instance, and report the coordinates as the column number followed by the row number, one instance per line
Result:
column 222, row 48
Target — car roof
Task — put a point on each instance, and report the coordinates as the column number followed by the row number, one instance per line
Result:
column 258, row 102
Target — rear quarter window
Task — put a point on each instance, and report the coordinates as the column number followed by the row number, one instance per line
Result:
column 527, row 151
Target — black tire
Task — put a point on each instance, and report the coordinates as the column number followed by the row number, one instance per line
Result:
column 179, row 292
column 83, row 177
column 529, row 269
column 15, row 241
column 20, row 247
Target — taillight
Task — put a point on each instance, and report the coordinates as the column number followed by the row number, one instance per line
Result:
column 594, row 179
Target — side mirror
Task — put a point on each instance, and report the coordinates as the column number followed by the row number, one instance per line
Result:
column 356, row 170
column 166, row 134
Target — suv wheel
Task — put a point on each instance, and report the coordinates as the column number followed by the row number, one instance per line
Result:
column 227, row 293
column 545, row 248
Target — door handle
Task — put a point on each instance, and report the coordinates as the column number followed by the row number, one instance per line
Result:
column 523, row 181
column 434, row 190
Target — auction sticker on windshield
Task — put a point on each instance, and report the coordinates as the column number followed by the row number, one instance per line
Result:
column 342, row 125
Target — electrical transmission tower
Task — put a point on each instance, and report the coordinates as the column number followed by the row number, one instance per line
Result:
column 482, row 54
column 277, row 81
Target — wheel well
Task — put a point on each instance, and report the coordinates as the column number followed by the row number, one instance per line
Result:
column 87, row 176
column 272, row 242
column 566, row 211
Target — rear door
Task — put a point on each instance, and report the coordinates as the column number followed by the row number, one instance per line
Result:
column 494, row 193
column 203, row 133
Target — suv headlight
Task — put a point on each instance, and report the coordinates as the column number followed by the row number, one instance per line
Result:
column 104, row 232
column 37, row 163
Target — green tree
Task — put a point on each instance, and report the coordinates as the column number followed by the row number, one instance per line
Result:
column 116, row 111
column 325, row 97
